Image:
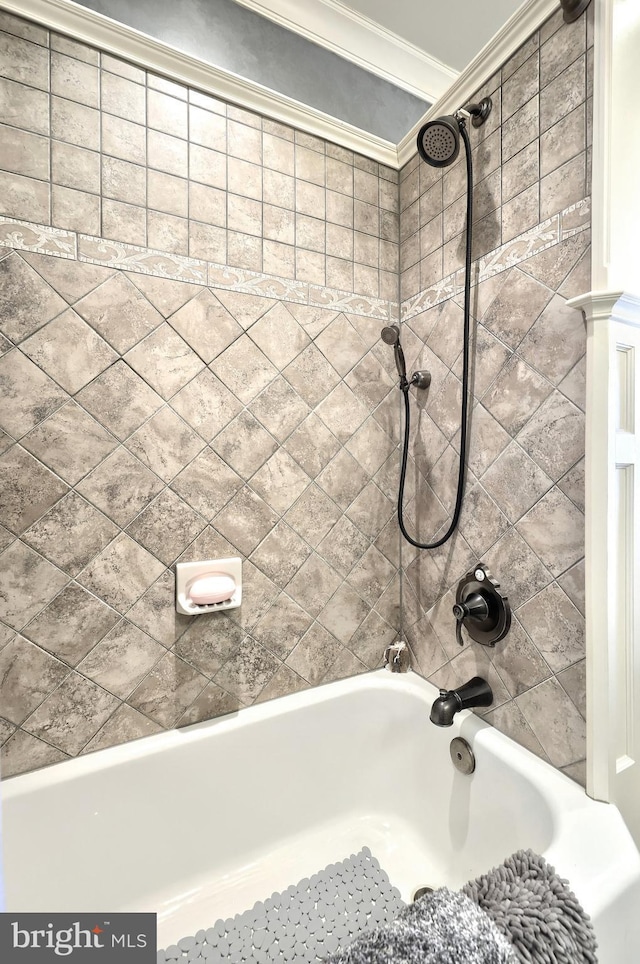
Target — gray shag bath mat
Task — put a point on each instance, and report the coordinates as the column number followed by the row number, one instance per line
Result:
column 536, row 910
column 303, row 923
column 441, row 928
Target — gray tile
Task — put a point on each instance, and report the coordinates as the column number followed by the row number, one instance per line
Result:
column 164, row 294
column 472, row 661
column 517, row 568
column 573, row 485
column 282, row 683
column 244, row 444
column 155, row 612
column 72, row 715
column 71, row 534
column 212, row 702
column 72, row 624
column 370, row 511
column 554, row 529
column 280, row 555
column 24, row 62
column 206, row 325
column 69, row 351
column 515, row 482
column 574, row 682
column 165, row 361
column 344, row 613
column 563, row 187
column 124, row 222
column 246, row 520
column 371, row 575
column 74, row 167
column 343, row 546
column 555, row 626
column 521, row 86
column 313, row 515
column 165, row 444
column 75, row 123
column 563, row 94
column 123, row 139
column 316, row 652
column 120, row 400
column 555, row 721
column 120, row 487
column 260, row 593
column 518, row 662
column 70, row 442
column 341, row 412
column 207, row 484
column 116, row 66
column 207, row 166
column 248, row 671
column 279, row 336
column 282, row 627
column 166, row 526
column 122, row 659
column 71, row 279
column 554, row 436
column 508, row 719
column 24, row 153
column 124, row 181
column 246, row 309
column 312, row 445
column 311, row 375
column 168, row 194
column 28, row 675
column 563, row 141
column 280, row 481
column 279, row 408
column 481, row 521
column 124, row 725
column 27, row 302
column 121, row 573
column 74, row 79
column 516, row 394
column 563, row 47
column 27, row 583
column 123, row 97
column 206, row 404
column 573, row 583
column 27, row 489
column 487, row 439
column 23, row 752
column 244, row 369
column 521, row 212
column 25, row 198
column 119, row 312
column 553, row 265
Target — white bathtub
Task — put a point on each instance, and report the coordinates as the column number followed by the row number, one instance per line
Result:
column 200, row 823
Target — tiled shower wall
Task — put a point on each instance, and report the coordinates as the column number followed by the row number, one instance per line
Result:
column 150, row 417
column 523, row 513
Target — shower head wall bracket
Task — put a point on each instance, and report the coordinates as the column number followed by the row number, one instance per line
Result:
column 478, row 112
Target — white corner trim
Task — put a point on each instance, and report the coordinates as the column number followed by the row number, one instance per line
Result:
column 608, row 305
column 355, row 37
column 115, row 38
column 493, row 55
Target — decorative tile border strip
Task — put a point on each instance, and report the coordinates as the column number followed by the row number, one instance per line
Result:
column 38, row 237
column 161, row 264
column 572, row 220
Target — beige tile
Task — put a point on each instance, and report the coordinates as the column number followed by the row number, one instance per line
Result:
column 167, row 233
column 119, row 312
column 124, row 222
column 24, row 107
column 244, row 142
column 278, row 154
column 563, row 187
column 24, row 28
column 207, row 241
column 73, row 48
column 279, row 189
column 310, row 266
column 244, row 215
column 116, row 66
column 24, row 61
column 69, row 351
column 562, row 48
column 123, row 98
column 278, row 259
column 28, row 394
column 244, row 178
column 207, row 167
column 520, row 213
column 122, row 139
column 209, row 203
column 27, row 302
column 75, row 168
column 123, row 181
column 70, row 442
column 244, row 251
column 75, row 210
column 75, row 80
column 207, row 129
column 119, row 400
column 164, row 360
column 75, row 123
column 207, row 102
column 521, row 86
column 167, row 114
column 563, row 141
column 206, row 325
column 24, row 153
column 167, row 153
column 167, row 86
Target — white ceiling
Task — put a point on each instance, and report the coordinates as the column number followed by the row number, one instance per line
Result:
column 451, row 31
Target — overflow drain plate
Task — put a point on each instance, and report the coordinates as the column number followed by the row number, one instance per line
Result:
column 462, row 756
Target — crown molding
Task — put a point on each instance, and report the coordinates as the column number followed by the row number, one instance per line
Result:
column 351, row 35
column 95, row 29
column 493, row 55
column 622, row 306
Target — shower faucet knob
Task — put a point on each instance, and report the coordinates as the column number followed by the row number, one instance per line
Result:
column 421, row 379
column 481, row 608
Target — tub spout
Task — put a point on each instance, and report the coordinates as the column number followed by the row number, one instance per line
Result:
column 476, row 692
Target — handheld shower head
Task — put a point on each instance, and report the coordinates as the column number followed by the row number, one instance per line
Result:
column 439, row 141
column 391, row 336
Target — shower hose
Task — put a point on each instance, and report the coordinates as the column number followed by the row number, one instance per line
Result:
column 405, row 385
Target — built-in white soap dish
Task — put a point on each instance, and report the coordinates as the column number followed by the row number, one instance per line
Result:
column 208, row 587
